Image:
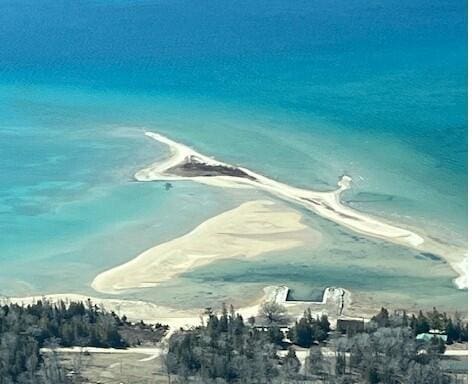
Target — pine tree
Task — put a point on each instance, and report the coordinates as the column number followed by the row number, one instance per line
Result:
column 302, row 333
column 422, row 325
column 291, row 364
column 315, row 361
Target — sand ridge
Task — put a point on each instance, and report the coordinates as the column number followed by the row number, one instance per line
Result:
column 325, row 204
column 253, row 228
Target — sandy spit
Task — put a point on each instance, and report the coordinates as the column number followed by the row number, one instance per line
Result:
column 249, row 230
column 324, row 204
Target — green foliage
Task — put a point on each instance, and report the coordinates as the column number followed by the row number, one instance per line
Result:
column 19, row 358
column 307, row 330
column 302, row 333
column 382, row 318
column 455, row 328
column 290, row 363
column 275, row 335
column 427, row 374
column 423, row 324
column 70, row 325
column 392, row 356
column 226, row 349
column 340, row 367
column 26, row 329
column 315, row 362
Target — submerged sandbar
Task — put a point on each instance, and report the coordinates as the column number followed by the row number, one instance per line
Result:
column 185, row 163
column 249, row 230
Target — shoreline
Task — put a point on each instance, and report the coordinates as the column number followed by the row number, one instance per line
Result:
column 325, row 204
column 137, row 310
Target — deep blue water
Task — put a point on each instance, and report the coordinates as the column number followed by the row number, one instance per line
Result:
column 300, row 90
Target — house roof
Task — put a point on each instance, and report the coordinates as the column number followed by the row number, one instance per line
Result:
column 429, row 336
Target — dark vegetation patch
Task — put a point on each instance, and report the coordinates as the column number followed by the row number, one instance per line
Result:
column 196, row 168
column 26, row 329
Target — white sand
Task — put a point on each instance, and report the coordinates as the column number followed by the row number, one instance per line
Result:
column 152, row 313
column 462, row 267
column 325, row 204
column 141, row 310
column 133, row 309
column 249, row 230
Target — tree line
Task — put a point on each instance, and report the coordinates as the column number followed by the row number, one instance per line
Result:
column 454, row 327
column 26, row 329
column 227, row 349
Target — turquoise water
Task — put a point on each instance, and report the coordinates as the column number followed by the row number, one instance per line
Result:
column 298, row 91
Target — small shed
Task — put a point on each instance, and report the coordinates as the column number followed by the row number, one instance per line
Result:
column 350, row 325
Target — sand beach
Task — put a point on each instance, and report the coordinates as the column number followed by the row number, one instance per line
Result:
column 249, row 230
column 184, row 163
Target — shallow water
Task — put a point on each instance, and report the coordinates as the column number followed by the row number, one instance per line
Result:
column 388, row 275
column 299, row 93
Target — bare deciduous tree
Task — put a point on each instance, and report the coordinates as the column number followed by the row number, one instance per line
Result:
column 273, row 313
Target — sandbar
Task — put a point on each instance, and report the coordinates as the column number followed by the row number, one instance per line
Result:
column 184, row 163
column 253, row 228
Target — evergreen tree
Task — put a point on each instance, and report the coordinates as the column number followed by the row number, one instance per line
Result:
column 291, row 364
column 315, row 362
column 302, row 333
column 382, row 318
column 422, row 325
column 275, row 335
